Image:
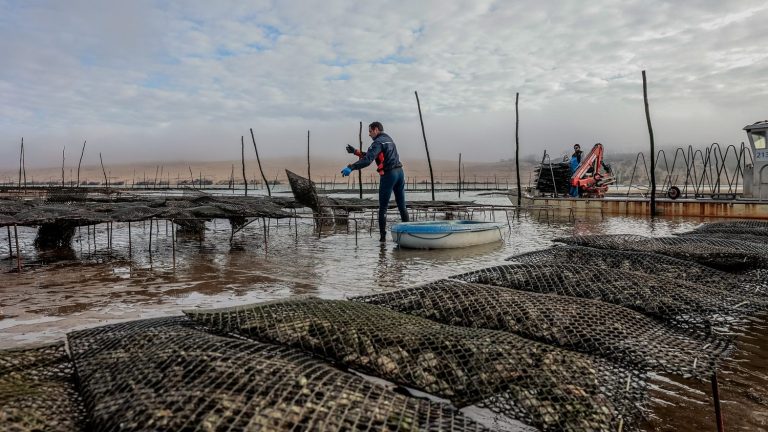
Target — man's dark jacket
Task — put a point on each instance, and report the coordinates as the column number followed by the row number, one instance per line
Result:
column 382, row 144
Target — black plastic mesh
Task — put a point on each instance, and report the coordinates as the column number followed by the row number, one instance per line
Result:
column 679, row 302
column 754, row 227
column 544, row 386
column 66, row 194
column 553, row 177
column 304, row 191
column 166, row 374
column 724, row 254
column 37, row 390
column 740, row 236
column 587, row 326
column 642, row 262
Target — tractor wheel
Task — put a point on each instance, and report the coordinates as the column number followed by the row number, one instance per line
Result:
column 673, row 193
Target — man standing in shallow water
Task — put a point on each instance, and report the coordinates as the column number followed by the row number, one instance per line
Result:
column 392, row 178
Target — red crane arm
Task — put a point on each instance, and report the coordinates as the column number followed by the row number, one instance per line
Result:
column 593, row 160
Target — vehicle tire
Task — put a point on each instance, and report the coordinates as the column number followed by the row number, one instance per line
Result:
column 673, row 193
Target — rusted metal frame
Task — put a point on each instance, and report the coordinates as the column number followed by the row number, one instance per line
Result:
column 634, row 168
column 732, row 180
column 333, row 218
column 682, row 152
column 668, row 179
column 700, row 179
column 551, row 172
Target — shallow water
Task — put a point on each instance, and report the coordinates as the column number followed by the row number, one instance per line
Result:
column 91, row 285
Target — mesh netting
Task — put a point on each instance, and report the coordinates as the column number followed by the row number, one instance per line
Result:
column 545, row 386
column 37, row 390
column 66, row 194
column 679, row 302
column 741, row 236
column 553, row 177
column 304, row 191
column 714, row 252
column 588, row 326
column 642, row 262
column 166, row 374
column 754, row 227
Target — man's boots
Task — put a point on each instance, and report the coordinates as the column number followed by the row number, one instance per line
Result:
column 383, row 237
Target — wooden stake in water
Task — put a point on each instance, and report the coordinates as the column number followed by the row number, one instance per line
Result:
column 21, row 156
column 130, row 252
column 82, row 152
column 242, row 152
column 429, row 161
column 10, row 247
column 653, row 150
column 715, row 392
column 18, row 250
column 106, row 180
column 517, row 152
column 266, row 182
column 62, row 165
column 150, row 239
column 173, row 244
column 458, row 183
column 309, row 165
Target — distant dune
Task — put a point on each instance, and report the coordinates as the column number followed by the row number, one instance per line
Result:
column 220, row 171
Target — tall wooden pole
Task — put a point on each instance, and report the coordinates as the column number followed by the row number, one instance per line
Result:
column 21, row 158
column 242, row 158
column 517, row 151
column 130, row 246
column 429, row 161
column 359, row 172
column 309, row 166
column 18, row 251
column 62, row 165
column 459, row 182
column 106, row 180
column 269, row 192
column 653, row 150
column 81, row 161
column 10, row 248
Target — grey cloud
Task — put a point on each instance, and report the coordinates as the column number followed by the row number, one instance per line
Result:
column 146, row 78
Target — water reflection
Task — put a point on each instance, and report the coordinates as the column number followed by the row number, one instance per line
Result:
column 91, row 284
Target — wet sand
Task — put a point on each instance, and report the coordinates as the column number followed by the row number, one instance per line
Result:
column 90, row 286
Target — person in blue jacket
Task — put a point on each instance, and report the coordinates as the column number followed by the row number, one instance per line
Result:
column 384, row 151
column 575, row 162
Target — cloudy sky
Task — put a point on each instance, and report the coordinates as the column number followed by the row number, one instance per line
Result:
column 146, row 80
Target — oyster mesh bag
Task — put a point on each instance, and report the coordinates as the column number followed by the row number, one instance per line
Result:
column 724, row 254
column 740, row 236
column 544, row 386
column 37, row 390
column 167, row 374
column 643, row 262
column 587, row 326
column 751, row 227
column 681, row 303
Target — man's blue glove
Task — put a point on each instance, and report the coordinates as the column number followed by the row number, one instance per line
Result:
column 346, row 171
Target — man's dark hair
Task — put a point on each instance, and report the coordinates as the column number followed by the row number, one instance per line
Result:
column 376, row 125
